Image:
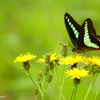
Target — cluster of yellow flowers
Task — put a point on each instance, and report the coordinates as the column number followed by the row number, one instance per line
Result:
column 75, row 72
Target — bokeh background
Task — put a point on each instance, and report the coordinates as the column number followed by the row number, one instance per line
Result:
column 37, row 26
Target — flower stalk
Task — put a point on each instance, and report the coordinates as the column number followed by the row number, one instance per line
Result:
column 50, row 71
column 91, row 84
column 74, row 92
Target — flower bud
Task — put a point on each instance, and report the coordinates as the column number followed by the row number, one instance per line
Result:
column 76, row 81
column 93, row 69
column 46, row 69
column 49, row 78
column 26, row 65
column 47, row 59
column 74, row 65
column 39, row 75
column 64, row 50
column 52, row 65
column 36, row 91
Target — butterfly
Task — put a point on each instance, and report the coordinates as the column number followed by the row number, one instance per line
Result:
column 83, row 36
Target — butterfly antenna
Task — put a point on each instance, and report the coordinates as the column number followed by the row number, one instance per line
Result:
column 70, row 45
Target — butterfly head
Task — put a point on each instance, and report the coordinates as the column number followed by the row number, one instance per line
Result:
column 80, row 50
column 74, row 50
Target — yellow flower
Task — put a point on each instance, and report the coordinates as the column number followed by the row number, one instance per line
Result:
column 24, row 57
column 95, row 60
column 41, row 60
column 53, row 57
column 71, row 60
column 77, row 73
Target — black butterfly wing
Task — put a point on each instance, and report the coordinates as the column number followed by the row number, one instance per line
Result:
column 93, row 37
column 73, row 28
column 87, row 36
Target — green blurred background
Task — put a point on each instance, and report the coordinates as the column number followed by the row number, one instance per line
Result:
column 37, row 26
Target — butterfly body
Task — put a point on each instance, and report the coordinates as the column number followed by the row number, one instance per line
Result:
column 83, row 37
column 84, row 49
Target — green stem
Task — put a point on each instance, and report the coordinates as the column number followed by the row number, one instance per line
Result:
column 57, row 79
column 57, row 82
column 59, row 87
column 61, row 94
column 35, row 97
column 96, row 95
column 74, row 92
column 42, row 95
column 92, row 82
column 45, row 86
column 32, row 79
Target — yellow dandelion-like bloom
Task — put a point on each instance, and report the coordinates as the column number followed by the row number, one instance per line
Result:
column 25, row 57
column 93, row 60
column 53, row 57
column 71, row 60
column 41, row 60
column 77, row 73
